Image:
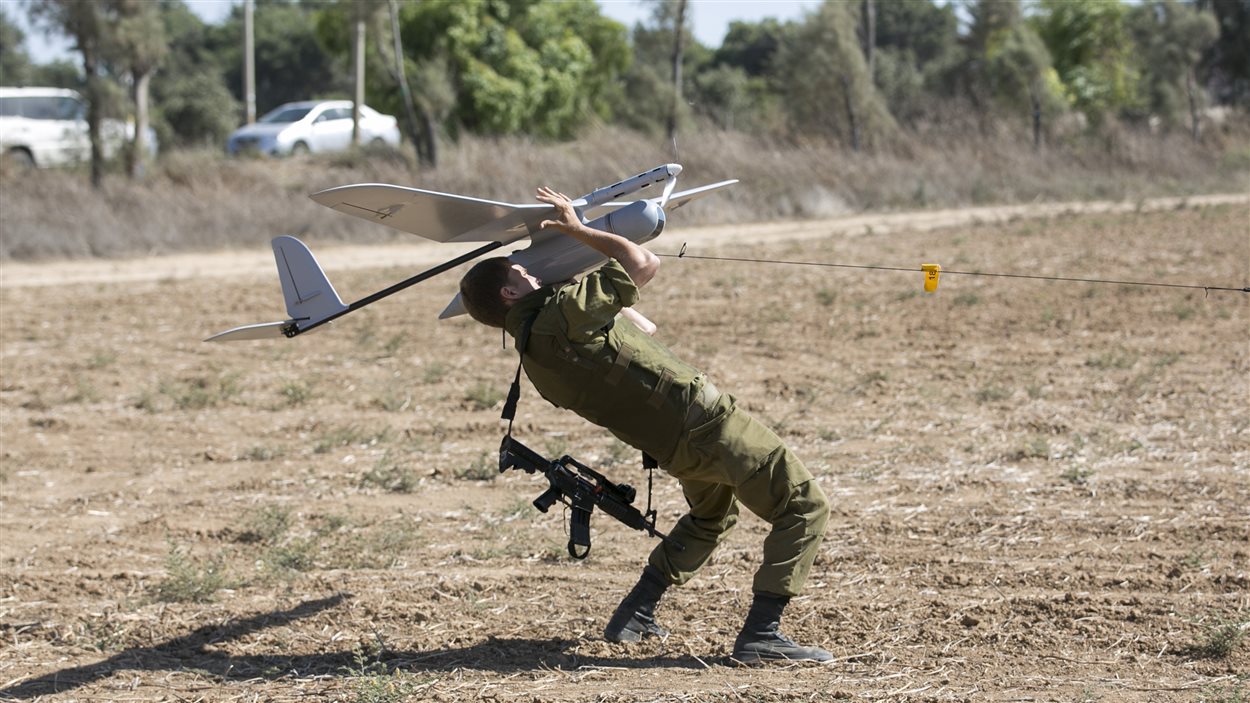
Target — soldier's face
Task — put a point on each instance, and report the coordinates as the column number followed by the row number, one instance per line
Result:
column 520, row 282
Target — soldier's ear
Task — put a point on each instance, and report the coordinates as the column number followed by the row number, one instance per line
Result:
column 508, row 293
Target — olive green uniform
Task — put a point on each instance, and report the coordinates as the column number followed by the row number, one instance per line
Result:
column 582, row 356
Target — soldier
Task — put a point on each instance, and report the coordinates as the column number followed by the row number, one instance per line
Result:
column 584, row 348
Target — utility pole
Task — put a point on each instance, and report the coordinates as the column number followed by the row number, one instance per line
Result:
column 358, row 58
column 249, row 60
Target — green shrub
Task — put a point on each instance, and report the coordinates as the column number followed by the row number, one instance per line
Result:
column 188, row 580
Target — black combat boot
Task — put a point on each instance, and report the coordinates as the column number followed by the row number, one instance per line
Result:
column 635, row 616
column 760, row 641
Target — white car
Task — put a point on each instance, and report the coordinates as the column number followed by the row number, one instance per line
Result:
column 312, row 126
column 48, row 127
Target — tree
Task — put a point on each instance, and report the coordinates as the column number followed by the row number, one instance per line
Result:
column 423, row 111
column 137, row 43
column 990, row 18
column 14, row 61
column 61, row 73
column 521, row 66
column 114, row 37
column 422, row 132
column 750, row 46
column 652, row 101
column 677, row 19
column 928, row 31
column 989, row 22
column 1092, row 53
column 1019, row 70
column 733, row 87
column 869, row 38
column 85, row 24
column 917, row 50
column 1171, row 38
column 724, row 94
column 419, row 90
column 193, row 105
column 1007, row 66
column 645, row 86
column 824, row 79
column 1227, row 62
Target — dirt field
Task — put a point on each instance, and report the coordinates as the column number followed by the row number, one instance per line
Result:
column 1040, row 489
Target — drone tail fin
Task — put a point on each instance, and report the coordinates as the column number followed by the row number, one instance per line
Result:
column 308, row 293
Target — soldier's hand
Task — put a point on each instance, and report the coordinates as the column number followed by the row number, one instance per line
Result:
column 565, row 216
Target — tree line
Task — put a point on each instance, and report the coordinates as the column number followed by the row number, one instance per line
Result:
column 862, row 73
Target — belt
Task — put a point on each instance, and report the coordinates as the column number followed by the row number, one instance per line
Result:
column 707, row 397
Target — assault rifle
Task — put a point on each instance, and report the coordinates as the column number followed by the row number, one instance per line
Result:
column 582, row 489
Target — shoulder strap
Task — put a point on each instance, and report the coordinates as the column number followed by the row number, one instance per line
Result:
column 514, row 393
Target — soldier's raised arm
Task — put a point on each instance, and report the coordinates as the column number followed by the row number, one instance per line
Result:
column 638, row 262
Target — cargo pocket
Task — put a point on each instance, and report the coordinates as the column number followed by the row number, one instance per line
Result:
column 728, row 449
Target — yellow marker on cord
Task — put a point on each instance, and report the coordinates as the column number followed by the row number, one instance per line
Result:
column 931, row 273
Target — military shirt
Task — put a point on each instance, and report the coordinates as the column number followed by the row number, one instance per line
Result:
column 581, row 354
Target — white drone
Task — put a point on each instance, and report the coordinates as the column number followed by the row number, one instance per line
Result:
column 444, row 217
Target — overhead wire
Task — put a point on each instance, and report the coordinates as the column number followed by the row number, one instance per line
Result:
column 1208, row 288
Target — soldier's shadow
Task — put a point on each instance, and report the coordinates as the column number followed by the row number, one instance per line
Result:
column 191, row 652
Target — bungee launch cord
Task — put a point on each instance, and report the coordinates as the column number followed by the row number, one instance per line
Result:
column 932, row 272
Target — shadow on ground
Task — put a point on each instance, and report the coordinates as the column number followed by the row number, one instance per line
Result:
column 189, row 652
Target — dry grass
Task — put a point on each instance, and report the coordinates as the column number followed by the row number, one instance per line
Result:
column 199, row 201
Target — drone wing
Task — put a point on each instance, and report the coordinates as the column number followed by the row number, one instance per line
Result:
column 442, row 217
column 675, row 200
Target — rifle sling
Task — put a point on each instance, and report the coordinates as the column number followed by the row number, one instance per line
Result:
column 514, row 393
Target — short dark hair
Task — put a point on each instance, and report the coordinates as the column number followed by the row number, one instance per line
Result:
column 479, row 289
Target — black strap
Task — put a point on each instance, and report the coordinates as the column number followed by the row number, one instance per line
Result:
column 514, row 393
column 650, row 464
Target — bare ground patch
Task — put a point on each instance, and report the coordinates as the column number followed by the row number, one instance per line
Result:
column 1039, row 488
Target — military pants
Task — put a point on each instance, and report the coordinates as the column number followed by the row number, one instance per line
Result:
column 732, row 459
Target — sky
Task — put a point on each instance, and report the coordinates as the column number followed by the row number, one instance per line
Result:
column 710, row 18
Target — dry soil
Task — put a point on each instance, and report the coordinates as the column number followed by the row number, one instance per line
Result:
column 1039, row 488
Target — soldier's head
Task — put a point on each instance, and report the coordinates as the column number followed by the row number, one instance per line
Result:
column 491, row 287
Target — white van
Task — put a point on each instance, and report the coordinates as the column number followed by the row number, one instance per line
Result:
column 48, row 127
